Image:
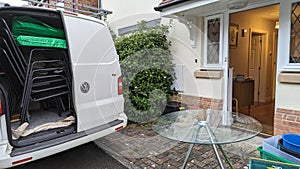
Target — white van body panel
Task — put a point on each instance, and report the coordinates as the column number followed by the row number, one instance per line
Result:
column 13, row 3
column 3, row 132
column 95, row 61
column 6, row 161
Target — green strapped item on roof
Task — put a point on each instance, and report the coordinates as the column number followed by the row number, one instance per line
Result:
column 25, row 25
column 41, row 42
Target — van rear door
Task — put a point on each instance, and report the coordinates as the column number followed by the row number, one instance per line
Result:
column 96, row 71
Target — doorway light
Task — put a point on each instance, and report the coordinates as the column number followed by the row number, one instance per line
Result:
column 236, row 4
column 277, row 25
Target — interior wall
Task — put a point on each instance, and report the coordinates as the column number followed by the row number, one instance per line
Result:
column 239, row 55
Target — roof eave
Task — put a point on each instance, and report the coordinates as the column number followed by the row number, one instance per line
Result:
column 169, row 4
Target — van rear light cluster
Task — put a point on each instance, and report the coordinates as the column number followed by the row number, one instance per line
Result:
column 120, row 86
column 1, row 110
column 119, row 128
column 22, row 161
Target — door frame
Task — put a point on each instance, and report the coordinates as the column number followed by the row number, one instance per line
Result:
column 226, row 58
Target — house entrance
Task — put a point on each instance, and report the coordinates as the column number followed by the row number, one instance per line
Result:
column 253, row 59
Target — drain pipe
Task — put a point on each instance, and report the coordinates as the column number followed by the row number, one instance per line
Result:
column 99, row 4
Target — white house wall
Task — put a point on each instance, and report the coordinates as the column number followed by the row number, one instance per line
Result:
column 287, row 94
column 288, row 101
column 129, row 12
column 183, row 53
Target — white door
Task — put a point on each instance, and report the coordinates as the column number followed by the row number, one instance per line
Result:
column 255, row 63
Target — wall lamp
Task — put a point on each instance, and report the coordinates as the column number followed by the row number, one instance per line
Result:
column 244, row 32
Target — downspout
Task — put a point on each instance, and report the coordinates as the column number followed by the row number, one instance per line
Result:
column 99, row 4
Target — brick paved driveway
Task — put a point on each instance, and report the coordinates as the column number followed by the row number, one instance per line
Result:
column 138, row 146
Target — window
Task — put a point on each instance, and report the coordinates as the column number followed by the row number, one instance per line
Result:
column 295, row 33
column 213, row 41
column 289, row 36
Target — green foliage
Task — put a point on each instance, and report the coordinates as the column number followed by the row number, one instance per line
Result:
column 147, row 70
column 143, row 38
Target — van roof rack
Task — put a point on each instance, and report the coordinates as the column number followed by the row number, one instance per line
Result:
column 71, row 6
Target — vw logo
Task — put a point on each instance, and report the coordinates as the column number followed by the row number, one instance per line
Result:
column 85, row 87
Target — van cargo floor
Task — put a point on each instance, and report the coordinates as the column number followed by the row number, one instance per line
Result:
column 43, row 126
column 38, row 118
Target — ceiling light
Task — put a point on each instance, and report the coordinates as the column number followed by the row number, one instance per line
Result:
column 236, row 4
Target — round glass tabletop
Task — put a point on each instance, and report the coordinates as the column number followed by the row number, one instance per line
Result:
column 207, row 126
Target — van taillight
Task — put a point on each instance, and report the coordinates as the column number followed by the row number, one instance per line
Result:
column 21, row 161
column 120, row 86
column 1, row 111
column 119, row 128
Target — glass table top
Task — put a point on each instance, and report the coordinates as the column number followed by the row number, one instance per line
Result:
column 207, row 126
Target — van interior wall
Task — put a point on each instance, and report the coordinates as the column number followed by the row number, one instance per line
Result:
column 46, row 104
column 239, row 56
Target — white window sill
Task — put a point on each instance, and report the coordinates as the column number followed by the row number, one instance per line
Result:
column 209, row 74
column 289, row 78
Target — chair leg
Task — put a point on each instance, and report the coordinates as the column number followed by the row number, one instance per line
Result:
column 236, row 104
column 58, row 106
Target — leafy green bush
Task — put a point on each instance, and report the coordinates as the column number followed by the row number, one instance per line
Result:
column 147, row 70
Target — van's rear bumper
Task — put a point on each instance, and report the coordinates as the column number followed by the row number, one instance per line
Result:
column 9, row 160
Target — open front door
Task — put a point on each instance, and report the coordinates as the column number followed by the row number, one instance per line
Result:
column 227, row 102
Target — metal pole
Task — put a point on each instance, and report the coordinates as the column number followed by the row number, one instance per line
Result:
column 220, row 147
column 211, row 137
column 191, row 146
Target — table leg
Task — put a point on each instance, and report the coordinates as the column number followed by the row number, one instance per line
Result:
column 218, row 156
column 191, row 147
column 211, row 133
column 225, row 156
column 187, row 156
column 212, row 139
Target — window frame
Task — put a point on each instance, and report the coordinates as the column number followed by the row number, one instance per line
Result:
column 220, row 64
column 284, row 38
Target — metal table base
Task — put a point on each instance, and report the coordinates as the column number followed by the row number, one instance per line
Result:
column 212, row 139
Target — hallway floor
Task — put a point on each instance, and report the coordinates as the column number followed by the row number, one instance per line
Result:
column 264, row 113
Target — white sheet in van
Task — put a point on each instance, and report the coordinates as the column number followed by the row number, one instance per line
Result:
column 21, row 130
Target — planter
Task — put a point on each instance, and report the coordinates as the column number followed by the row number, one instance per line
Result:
column 174, row 106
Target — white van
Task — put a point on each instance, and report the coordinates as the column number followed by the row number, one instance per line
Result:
column 60, row 83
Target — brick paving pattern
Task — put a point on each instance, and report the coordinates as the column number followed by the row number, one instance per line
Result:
column 139, row 147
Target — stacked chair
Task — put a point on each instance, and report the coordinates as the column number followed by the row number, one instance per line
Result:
column 41, row 76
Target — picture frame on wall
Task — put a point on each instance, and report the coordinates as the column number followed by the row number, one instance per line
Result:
column 233, row 35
